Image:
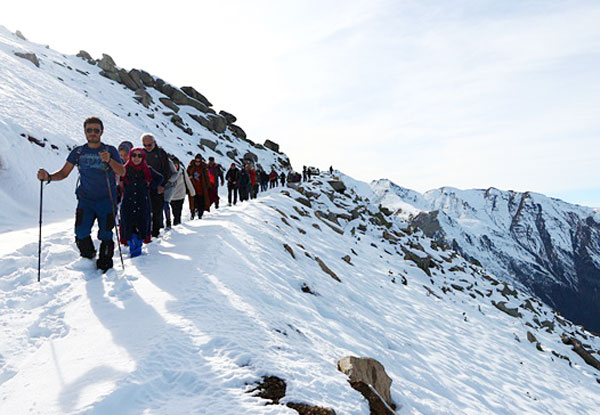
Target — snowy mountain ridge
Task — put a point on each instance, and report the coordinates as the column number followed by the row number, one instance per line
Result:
column 284, row 285
column 550, row 246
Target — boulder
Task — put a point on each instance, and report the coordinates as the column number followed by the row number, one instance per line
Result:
column 271, row 145
column 368, row 376
column 218, row 123
column 250, row 156
column 111, row 75
column 143, row 97
column 201, row 120
column 84, row 55
column 190, row 91
column 208, row 143
column 232, row 154
column 237, row 131
column 327, row 270
column 169, row 104
column 126, row 80
column 338, row 185
column 136, row 76
column 20, row 35
column 198, row 105
column 107, row 63
column 229, row 118
column 147, row 78
column 179, row 97
column 31, row 57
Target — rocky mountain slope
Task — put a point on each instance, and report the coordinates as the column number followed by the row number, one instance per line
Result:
column 45, row 96
column 545, row 244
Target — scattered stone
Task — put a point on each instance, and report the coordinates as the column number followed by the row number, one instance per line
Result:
column 126, row 80
column 531, row 337
column 237, row 131
column 514, row 312
column 107, row 64
column 111, row 75
column 169, row 104
column 271, row 388
column 338, row 185
column 348, row 259
column 290, row 250
column 144, row 98
column 217, row 123
column 84, row 55
column 581, row 351
column 191, row 92
column 303, row 201
column 31, row 57
column 305, row 288
column 147, row 79
column 20, row 35
column 229, row 118
column 368, row 376
column 327, row 270
column 271, row 145
column 423, row 263
column 208, row 143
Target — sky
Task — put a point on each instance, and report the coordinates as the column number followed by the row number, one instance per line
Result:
column 469, row 94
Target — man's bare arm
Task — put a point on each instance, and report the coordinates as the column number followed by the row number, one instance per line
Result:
column 57, row 176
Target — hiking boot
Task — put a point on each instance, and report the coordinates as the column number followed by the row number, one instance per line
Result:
column 86, row 247
column 105, row 258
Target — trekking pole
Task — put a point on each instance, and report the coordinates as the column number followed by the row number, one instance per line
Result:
column 40, row 239
column 112, row 203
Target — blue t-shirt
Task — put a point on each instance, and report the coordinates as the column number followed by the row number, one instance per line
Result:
column 92, row 172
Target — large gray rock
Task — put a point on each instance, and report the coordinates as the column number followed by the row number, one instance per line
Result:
column 198, row 105
column 127, row 81
column 365, row 375
column 143, row 97
column 147, row 79
column 84, row 55
column 208, row 143
column 201, row 120
column 107, row 64
column 137, row 78
column 31, row 57
column 338, row 185
column 170, row 104
column 272, row 145
column 20, row 35
column 230, row 118
column 237, row 131
column 250, row 156
column 190, row 91
column 218, row 123
column 111, row 75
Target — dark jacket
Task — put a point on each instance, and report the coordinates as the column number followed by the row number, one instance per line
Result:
column 244, row 179
column 233, row 177
column 158, row 159
column 135, row 207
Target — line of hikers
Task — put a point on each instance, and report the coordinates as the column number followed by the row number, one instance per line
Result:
column 145, row 184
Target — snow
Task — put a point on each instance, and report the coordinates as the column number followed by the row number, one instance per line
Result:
column 215, row 304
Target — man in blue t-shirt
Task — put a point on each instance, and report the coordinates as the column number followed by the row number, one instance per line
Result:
column 98, row 163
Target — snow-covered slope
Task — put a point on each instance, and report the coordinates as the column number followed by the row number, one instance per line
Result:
column 548, row 245
column 216, row 304
column 42, row 110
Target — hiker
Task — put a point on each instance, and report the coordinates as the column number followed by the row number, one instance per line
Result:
column 158, row 159
column 233, row 177
column 198, row 173
column 98, row 163
column 214, row 173
column 124, row 149
column 244, row 183
column 136, row 209
column 253, row 183
column 309, row 173
column 282, row 178
column 273, row 178
column 331, row 170
column 175, row 194
column 264, row 177
column 168, row 186
column 304, row 174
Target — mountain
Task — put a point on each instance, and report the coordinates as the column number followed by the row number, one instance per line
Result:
column 249, row 310
column 45, row 96
column 547, row 245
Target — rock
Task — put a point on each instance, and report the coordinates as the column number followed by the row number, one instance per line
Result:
column 347, row 259
column 20, row 35
column 303, row 201
column 237, row 131
column 127, row 80
column 84, row 55
column 190, row 91
column 198, row 105
column 326, row 269
column 111, row 75
column 272, row 146
column 147, row 78
column 337, row 185
column 201, row 120
column 218, row 123
column 368, row 376
column 290, row 250
column 169, row 104
column 179, row 97
column 208, row 143
column 422, row 262
column 136, row 76
column 304, row 409
column 580, row 350
column 143, row 97
column 531, row 337
column 107, row 63
column 514, row 312
column 232, row 154
column 229, row 118
column 271, row 388
column 31, row 57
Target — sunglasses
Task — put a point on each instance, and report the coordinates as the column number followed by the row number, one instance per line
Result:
column 136, row 155
column 149, row 145
column 93, row 130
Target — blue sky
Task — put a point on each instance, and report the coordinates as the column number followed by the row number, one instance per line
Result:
column 425, row 93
